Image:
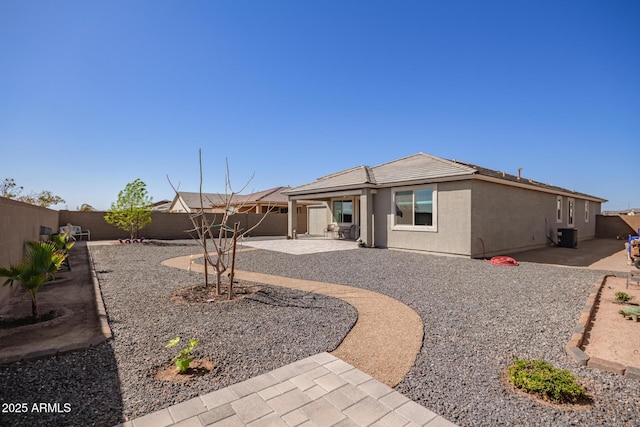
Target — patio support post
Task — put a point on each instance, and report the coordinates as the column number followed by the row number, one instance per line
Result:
column 366, row 217
column 292, row 219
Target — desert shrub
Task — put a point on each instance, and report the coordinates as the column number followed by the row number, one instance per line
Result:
column 541, row 378
column 622, row 297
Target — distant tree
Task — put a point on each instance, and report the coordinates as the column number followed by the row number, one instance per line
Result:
column 86, row 208
column 10, row 190
column 44, row 198
column 132, row 211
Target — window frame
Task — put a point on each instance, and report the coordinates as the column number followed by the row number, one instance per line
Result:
column 571, row 212
column 333, row 211
column 586, row 211
column 559, row 209
column 434, row 209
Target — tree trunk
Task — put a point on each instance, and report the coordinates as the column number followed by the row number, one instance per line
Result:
column 34, row 307
column 204, row 249
column 233, row 260
column 218, row 273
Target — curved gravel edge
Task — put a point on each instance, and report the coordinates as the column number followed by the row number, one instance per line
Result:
column 113, row 382
column 477, row 316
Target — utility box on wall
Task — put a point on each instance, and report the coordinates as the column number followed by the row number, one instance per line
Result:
column 567, row 238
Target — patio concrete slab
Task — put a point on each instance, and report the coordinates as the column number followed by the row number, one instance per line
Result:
column 353, row 403
column 594, row 254
column 302, row 246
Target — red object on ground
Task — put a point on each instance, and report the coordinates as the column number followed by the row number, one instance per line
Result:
column 504, row 260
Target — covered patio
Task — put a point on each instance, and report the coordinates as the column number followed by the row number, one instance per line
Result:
column 344, row 215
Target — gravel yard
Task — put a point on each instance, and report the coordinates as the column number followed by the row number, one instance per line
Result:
column 114, row 381
column 477, row 316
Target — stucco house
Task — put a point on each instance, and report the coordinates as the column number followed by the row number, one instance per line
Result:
column 427, row 203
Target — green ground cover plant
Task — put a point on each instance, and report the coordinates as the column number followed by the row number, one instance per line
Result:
column 182, row 359
column 542, row 379
column 623, row 297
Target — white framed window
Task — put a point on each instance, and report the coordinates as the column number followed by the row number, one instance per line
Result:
column 415, row 208
column 570, row 211
column 559, row 209
column 586, row 211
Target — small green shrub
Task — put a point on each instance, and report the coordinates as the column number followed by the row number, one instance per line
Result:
column 541, row 378
column 622, row 297
column 182, row 359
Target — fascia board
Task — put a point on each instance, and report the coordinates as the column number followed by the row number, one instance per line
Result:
column 541, row 189
column 328, row 194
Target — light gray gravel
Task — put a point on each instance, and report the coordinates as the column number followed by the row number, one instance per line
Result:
column 114, row 381
column 477, row 316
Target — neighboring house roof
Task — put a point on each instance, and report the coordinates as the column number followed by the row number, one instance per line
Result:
column 632, row 211
column 415, row 169
column 192, row 200
column 162, row 205
column 273, row 196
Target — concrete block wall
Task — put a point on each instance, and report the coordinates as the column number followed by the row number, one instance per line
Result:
column 20, row 222
column 611, row 227
column 166, row 225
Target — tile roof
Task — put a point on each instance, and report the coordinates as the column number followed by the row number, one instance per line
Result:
column 192, row 199
column 272, row 195
column 416, row 168
column 420, row 166
column 526, row 181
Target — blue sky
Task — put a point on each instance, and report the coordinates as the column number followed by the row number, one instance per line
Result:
column 96, row 94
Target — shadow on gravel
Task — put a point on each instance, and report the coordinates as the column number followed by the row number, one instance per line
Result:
column 168, row 243
column 74, row 389
column 79, row 388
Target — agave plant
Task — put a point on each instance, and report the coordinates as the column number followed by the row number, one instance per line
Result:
column 40, row 263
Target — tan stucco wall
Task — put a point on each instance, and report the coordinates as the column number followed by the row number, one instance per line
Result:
column 508, row 219
column 20, row 222
column 511, row 219
column 453, row 222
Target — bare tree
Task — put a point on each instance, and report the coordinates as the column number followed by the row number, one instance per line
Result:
column 223, row 238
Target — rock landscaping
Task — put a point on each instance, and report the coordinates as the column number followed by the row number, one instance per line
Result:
column 116, row 380
column 477, row 318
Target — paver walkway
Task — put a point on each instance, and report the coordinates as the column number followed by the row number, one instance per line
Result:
column 320, row 390
column 386, row 338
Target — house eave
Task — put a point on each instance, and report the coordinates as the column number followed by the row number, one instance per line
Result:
column 328, row 193
column 525, row 185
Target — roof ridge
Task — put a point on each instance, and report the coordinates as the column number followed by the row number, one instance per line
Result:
column 342, row 172
column 267, row 192
column 371, row 178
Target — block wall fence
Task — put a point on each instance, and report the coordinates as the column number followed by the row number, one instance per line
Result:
column 170, row 226
column 21, row 222
column 619, row 226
